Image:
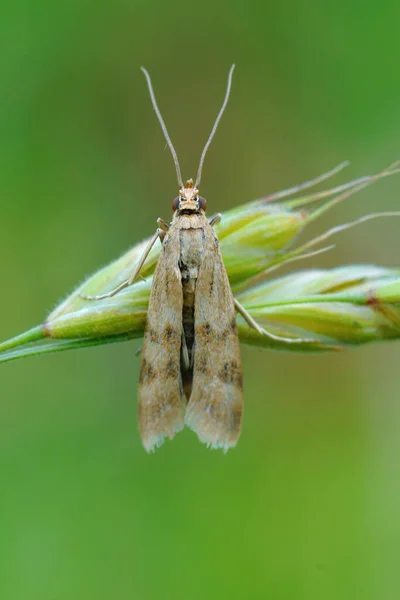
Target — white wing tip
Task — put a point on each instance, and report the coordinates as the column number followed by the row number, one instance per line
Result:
column 152, row 442
column 214, row 435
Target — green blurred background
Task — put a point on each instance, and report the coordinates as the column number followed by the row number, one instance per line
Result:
column 307, row 505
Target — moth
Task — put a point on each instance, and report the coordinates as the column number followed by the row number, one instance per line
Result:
column 191, row 370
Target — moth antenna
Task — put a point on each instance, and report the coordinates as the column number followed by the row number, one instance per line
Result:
column 217, row 120
column 163, row 127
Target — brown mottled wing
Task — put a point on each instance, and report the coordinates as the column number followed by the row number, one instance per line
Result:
column 160, row 396
column 215, row 407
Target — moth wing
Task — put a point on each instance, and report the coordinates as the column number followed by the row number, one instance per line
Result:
column 215, row 406
column 160, row 395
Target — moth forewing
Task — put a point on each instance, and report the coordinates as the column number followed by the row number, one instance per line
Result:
column 215, row 407
column 160, row 395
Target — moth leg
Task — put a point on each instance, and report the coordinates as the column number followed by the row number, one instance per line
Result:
column 185, row 354
column 215, row 219
column 162, row 225
column 278, row 338
column 158, row 234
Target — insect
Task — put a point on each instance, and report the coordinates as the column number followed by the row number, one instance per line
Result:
column 191, row 370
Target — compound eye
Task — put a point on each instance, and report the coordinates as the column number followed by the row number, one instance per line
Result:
column 175, row 203
column 202, row 203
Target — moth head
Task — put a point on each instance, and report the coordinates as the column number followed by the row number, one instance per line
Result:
column 189, row 199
